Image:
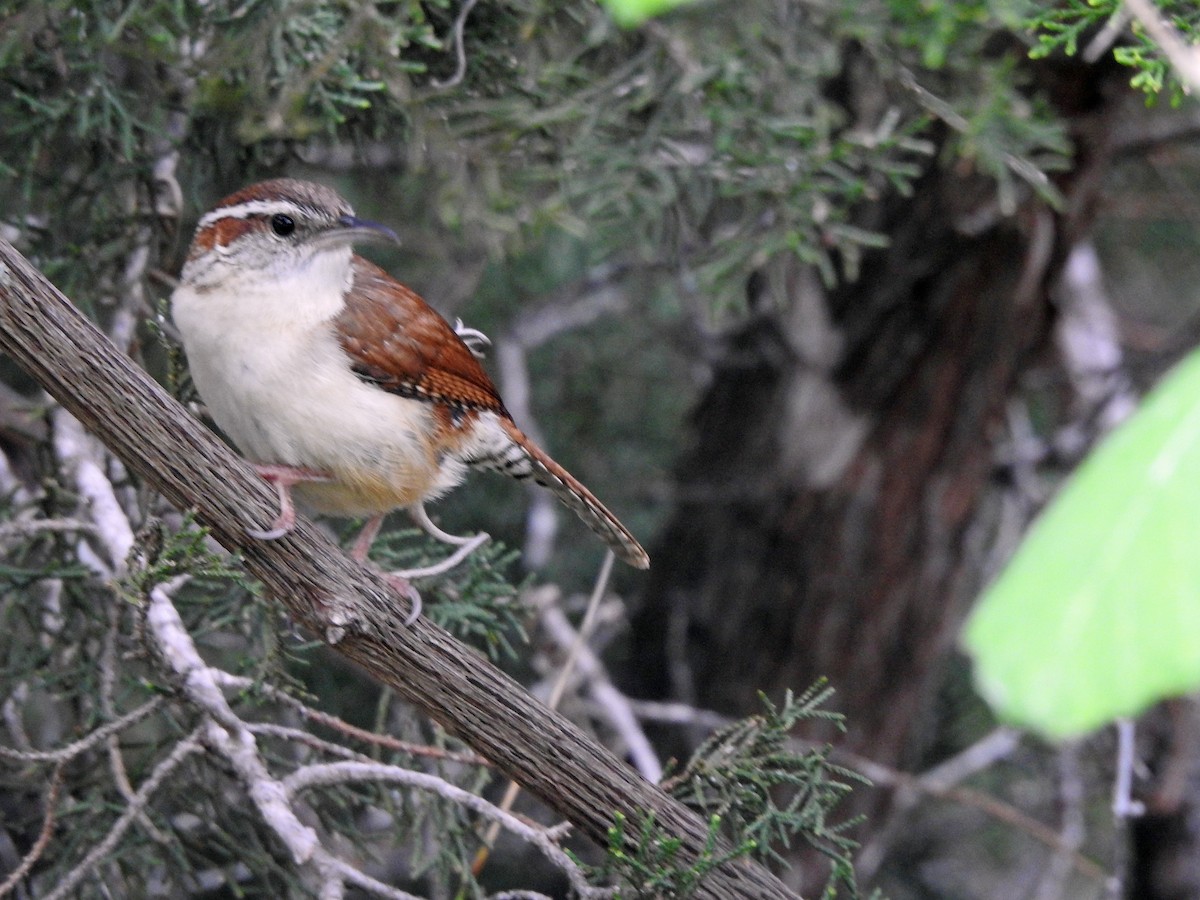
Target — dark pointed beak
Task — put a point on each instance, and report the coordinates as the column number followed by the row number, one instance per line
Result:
column 356, row 229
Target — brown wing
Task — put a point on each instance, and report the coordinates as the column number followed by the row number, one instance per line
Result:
column 397, row 341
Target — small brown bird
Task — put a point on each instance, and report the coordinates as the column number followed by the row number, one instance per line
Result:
column 340, row 383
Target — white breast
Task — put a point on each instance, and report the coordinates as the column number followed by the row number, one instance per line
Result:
column 275, row 380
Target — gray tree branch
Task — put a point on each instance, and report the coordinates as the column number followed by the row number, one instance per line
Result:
column 329, row 594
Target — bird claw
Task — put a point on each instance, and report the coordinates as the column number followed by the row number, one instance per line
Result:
column 466, row 548
column 404, row 588
column 399, row 581
column 283, row 477
column 272, row 534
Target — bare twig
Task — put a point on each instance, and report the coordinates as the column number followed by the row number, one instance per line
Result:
column 324, row 775
column 1073, row 830
column 39, row 846
column 988, row 750
column 81, row 457
column 1106, row 36
column 360, row 879
column 585, row 632
column 678, row 714
column 101, row 734
column 108, row 679
column 460, row 52
column 11, row 712
column 25, row 527
column 997, row 744
column 1123, row 805
column 385, row 741
column 614, row 706
column 579, row 306
column 180, row 752
column 307, row 739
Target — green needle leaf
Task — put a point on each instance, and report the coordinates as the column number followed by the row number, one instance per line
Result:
column 1097, row 616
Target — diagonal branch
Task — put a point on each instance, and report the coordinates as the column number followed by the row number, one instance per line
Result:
column 331, row 595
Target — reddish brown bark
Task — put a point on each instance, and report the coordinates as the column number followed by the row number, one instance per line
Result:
column 768, row 577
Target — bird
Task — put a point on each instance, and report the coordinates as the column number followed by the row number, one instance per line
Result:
column 341, row 385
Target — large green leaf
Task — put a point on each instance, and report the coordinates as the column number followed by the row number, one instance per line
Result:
column 1098, row 614
column 634, row 12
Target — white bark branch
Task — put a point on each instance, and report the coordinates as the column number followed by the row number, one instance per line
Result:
column 82, row 458
column 224, row 732
column 613, row 705
column 327, row 774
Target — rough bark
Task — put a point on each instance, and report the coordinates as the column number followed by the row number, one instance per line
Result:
column 834, row 510
column 325, row 591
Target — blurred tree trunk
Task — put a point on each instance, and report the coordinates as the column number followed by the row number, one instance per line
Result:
column 836, row 509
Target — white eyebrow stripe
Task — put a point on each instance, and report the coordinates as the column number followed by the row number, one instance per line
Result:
column 249, row 208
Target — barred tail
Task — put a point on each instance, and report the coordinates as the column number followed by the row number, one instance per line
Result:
column 520, row 457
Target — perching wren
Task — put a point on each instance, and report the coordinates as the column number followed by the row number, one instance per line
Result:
column 336, row 380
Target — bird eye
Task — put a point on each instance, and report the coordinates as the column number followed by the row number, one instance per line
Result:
column 282, row 225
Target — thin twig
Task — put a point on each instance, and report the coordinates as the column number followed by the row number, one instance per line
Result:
column 1106, row 36
column 614, row 706
column 354, row 876
column 564, row 675
column 43, row 838
column 585, row 631
column 86, row 743
column 238, row 682
column 24, row 527
column 679, row 714
column 305, row 738
column 460, row 52
column 82, row 457
column 326, row 774
column 11, row 712
column 994, row 747
column 1124, row 806
column 1073, row 830
column 180, row 752
column 108, row 679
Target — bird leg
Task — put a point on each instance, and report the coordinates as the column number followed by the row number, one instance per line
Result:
column 401, row 585
column 362, row 544
column 400, row 580
column 283, row 477
column 466, row 545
